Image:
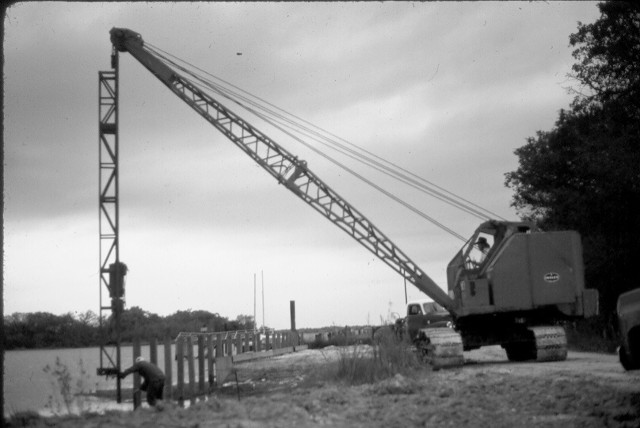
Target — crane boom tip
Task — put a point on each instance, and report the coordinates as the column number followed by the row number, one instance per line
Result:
column 120, row 36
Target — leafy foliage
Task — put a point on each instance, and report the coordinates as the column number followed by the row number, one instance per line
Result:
column 63, row 388
column 608, row 55
column 46, row 330
column 584, row 174
column 62, row 377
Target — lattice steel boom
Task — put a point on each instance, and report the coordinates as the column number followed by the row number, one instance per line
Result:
column 283, row 166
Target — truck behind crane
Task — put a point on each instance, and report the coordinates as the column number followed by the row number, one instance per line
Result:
column 419, row 314
column 628, row 310
column 510, row 284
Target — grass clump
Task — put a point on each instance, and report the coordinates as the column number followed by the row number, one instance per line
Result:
column 23, row 418
column 387, row 357
column 66, row 393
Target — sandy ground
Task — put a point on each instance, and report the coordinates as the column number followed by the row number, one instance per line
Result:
column 297, row 390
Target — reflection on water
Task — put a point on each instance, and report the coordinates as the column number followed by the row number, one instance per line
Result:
column 28, row 387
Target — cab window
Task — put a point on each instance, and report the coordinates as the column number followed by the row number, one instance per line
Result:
column 415, row 310
column 432, row 308
column 477, row 250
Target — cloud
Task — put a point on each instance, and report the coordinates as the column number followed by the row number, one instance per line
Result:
column 447, row 90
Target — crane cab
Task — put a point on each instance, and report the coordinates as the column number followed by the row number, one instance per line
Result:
column 514, row 267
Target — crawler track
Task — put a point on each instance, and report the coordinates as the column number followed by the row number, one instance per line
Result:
column 440, row 347
column 550, row 343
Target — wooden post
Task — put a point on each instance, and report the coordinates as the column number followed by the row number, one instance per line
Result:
column 210, row 359
column 238, row 343
column 168, row 369
column 153, row 351
column 229, row 344
column 219, row 345
column 267, row 344
column 257, row 342
column 180, row 357
column 192, row 369
column 136, row 376
column 292, row 309
column 201, row 358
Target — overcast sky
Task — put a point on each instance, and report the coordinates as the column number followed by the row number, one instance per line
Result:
column 447, row 90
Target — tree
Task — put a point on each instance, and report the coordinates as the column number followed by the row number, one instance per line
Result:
column 88, row 318
column 45, row 330
column 608, row 54
column 136, row 322
column 245, row 322
column 584, row 173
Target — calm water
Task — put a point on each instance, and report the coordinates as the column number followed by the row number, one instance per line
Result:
column 28, row 387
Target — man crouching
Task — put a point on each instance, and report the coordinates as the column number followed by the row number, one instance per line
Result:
column 153, row 377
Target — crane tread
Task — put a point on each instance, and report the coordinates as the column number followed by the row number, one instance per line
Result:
column 440, row 347
column 550, row 343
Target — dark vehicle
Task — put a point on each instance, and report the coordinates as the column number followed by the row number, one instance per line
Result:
column 422, row 314
column 628, row 310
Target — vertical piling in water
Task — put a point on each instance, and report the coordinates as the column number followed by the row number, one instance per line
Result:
column 168, row 368
column 219, row 345
column 201, row 358
column 153, row 351
column 238, row 343
column 192, row 374
column 180, row 358
column 210, row 359
column 229, row 344
column 136, row 376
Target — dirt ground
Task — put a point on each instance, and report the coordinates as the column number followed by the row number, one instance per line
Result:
column 298, row 390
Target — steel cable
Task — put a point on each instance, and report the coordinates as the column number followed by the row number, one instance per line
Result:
column 280, row 121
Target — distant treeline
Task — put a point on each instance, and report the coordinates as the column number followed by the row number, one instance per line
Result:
column 76, row 330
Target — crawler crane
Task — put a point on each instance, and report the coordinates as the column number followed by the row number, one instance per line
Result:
column 514, row 295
